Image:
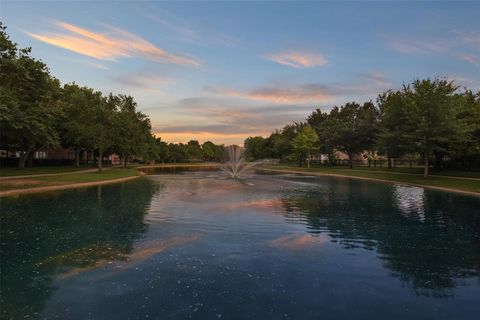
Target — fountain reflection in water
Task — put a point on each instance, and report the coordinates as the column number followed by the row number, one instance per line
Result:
column 235, row 163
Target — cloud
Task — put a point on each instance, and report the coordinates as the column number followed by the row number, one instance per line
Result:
column 466, row 81
column 458, row 47
column 187, row 30
column 112, row 44
column 369, row 83
column 313, row 93
column 377, row 78
column 298, row 59
column 98, row 65
column 224, row 120
column 412, row 46
column 143, row 81
column 178, row 26
column 258, row 111
column 471, row 58
column 473, row 39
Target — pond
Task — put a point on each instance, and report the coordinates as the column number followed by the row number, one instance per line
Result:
column 198, row 245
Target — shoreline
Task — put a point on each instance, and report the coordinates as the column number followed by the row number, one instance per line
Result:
column 16, row 192
column 179, row 165
column 444, row 189
column 62, row 187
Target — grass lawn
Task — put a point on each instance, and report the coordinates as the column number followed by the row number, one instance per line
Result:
column 412, row 178
column 8, row 172
column 26, row 182
column 407, row 170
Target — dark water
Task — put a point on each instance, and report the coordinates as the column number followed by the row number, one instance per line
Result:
column 196, row 245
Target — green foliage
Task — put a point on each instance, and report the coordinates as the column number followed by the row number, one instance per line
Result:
column 304, row 143
column 426, row 119
column 255, row 148
column 28, row 100
column 394, row 138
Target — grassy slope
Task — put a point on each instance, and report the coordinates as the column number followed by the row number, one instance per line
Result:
column 108, row 174
column 452, row 183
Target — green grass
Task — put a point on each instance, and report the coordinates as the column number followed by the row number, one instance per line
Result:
column 108, row 174
column 8, row 172
column 406, row 170
column 412, row 178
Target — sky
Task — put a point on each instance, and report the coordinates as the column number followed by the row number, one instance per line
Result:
column 224, row 71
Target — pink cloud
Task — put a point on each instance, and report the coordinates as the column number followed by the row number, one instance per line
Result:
column 110, row 45
column 298, row 59
column 283, row 95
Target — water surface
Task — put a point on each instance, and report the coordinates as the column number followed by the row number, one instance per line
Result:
column 198, row 245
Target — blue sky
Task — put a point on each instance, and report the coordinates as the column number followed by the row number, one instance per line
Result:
column 223, row 71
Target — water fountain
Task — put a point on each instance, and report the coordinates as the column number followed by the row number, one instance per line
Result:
column 235, row 163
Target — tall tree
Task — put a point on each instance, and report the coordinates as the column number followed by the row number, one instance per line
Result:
column 101, row 114
column 430, row 108
column 28, row 100
column 394, row 137
column 352, row 128
column 305, row 143
column 320, row 122
column 255, row 148
column 194, row 150
column 131, row 133
column 208, row 150
column 78, row 105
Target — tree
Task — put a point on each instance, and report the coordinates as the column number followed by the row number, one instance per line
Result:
column 319, row 121
column 78, row 105
column 178, row 152
column 28, row 101
column 466, row 145
column 101, row 114
column 255, row 148
column 351, row 128
column 431, row 110
column 395, row 131
column 209, row 151
column 193, row 150
column 305, row 143
column 132, row 129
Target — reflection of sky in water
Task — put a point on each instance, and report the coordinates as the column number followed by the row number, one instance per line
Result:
column 410, row 200
column 197, row 245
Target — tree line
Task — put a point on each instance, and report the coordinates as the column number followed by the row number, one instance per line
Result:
column 37, row 112
column 432, row 120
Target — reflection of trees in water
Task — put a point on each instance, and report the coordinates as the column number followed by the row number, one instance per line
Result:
column 432, row 247
column 45, row 235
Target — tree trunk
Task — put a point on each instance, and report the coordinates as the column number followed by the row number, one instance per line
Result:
column 389, row 163
column 23, row 158
column 350, row 161
column 427, row 164
column 30, row 160
column 100, row 160
column 308, row 161
column 124, row 161
column 77, row 158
